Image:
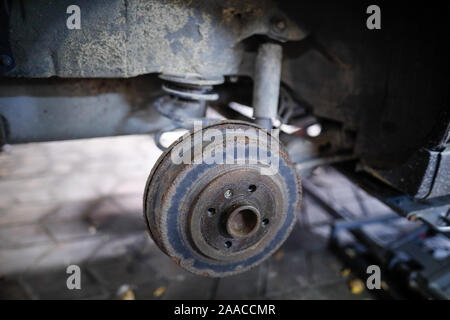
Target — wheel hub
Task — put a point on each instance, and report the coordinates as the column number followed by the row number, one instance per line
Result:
column 220, row 219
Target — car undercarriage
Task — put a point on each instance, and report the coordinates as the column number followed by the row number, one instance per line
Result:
column 250, row 96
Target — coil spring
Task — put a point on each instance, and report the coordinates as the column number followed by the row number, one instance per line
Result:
column 185, row 101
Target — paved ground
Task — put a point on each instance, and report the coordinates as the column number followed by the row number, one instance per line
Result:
column 79, row 202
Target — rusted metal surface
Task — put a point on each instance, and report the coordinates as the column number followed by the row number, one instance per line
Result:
column 34, row 110
column 267, row 77
column 126, row 38
column 220, row 219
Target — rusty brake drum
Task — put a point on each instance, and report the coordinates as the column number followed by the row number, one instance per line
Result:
column 218, row 218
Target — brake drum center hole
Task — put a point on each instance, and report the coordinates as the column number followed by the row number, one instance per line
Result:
column 243, row 222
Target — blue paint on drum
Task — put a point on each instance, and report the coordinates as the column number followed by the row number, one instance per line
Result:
column 176, row 240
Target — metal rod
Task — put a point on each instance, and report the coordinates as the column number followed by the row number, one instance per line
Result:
column 266, row 88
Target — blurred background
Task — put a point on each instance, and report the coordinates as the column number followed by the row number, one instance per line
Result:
column 80, row 202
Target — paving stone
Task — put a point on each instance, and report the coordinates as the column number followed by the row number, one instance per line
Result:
column 103, row 216
column 340, row 291
column 40, row 189
column 23, row 235
column 288, row 271
column 300, row 293
column 12, row 289
column 72, row 252
column 322, row 233
column 87, row 195
column 133, row 246
column 334, row 186
column 191, row 288
column 52, row 284
column 166, row 268
column 312, row 214
column 19, row 260
column 27, row 191
column 104, row 209
column 70, row 230
column 305, row 239
column 121, row 224
column 132, row 268
column 66, row 211
column 25, row 212
column 74, row 187
column 160, row 262
column 23, row 162
column 131, row 185
column 130, row 202
column 72, row 221
column 324, row 267
column 248, row 285
column 107, row 182
column 335, row 291
column 155, row 289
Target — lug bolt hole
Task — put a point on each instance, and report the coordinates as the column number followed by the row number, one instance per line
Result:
column 265, row 222
column 227, row 244
column 211, row 212
column 251, row 188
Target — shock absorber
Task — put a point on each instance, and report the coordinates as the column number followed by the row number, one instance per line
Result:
column 267, row 79
column 186, row 100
